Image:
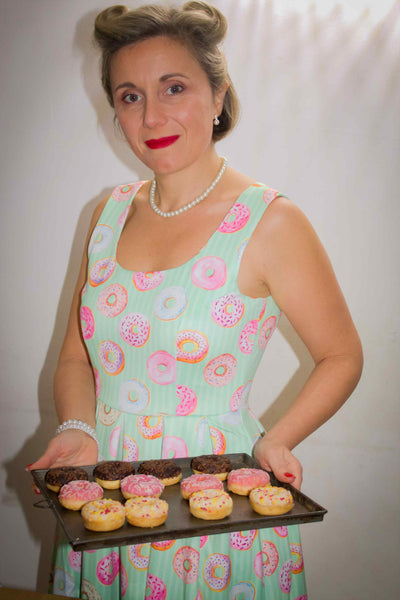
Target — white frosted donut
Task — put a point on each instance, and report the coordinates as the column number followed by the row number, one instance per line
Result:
column 267, row 329
column 220, row 370
column 210, row 504
column 133, row 396
column 227, row 310
column 217, row 572
column 236, row 218
column 148, row 431
column 87, row 322
column 191, row 346
column 111, row 357
column 170, row 303
column 101, row 271
column 146, row 511
column 144, row 281
column 244, row 590
column 107, row 415
column 112, row 300
column 209, row 273
column 186, row 564
column 131, row 450
column 247, row 336
column 161, row 367
column 271, row 500
column 134, row 329
column 100, row 239
column 188, row 401
column 139, row 556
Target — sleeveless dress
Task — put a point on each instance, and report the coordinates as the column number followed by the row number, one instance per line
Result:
column 174, row 354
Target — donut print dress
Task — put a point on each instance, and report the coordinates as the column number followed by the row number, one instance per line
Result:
column 174, row 354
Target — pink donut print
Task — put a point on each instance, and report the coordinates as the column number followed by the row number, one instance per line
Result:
column 124, row 580
column 188, row 401
column 186, row 564
column 114, row 441
column 239, row 397
column 97, row 381
column 297, row 554
column 269, row 195
column 124, row 192
column 218, row 440
column 220, row 370
column 262, row 311
column 227, row 310
column 267, row 329
column 174, row 447
column 144, row 281
column 285, row 576
column 101, row 271
column 191, row 346
column 247, row 336
column 108, row 568
column 75, row 560
column 217, row 572
column 112, row 300
column 157, row 588
column 281, row 531
column 122, row 217
column 139, row 556
column 134, row 329
column 266, row 561
column 161, row 367
column 148, row 431
column 238, row 541
column 209, row 273
column 111, row 357
column 236, row 218
column 131, row 449
column 203, row 540
column 87, row 322
column 165, row 545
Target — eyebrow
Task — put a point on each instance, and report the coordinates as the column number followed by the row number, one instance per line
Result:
column 163, row 78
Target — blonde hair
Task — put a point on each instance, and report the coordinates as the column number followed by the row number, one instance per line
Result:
column 199, row 26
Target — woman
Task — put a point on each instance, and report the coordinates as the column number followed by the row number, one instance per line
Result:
column 180, row 289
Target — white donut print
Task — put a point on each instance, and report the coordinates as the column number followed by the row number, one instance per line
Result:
column 107, row 415
column 191, row 346
column 217, row 572
column 227, row 310
column 134, row 329
column 111, row 357
column 101, row 271
column 244, row 590
column 100, row 238
column 131, row 449
column 170, row 303
column 133, row 396
column 209, row 273
column 63, row 583
column 220, row 370
column 112, row 300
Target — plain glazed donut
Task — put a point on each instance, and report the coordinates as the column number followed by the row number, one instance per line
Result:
column 215, row 563
column 186, row 564
column 271, row 500
column 75, row 494
column 199, row 482
column 242, row 481
column 103, row 515
column 210, row 504
column 146, row 511
column 141, row 485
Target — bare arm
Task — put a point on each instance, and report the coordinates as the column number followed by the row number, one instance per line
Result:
column 297, row 272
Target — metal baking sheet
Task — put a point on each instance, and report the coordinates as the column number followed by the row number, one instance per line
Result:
column 180, row 523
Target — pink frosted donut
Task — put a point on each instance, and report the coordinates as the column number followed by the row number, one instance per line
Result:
column 131, row 449
column 247, row 336
column 263, row 309
column 134, row 329
column 218, row 440
column 87, row 322
column 239, row 397
column 139, row 556
column 186, row 564
column 297, row 553
column 141, row 485
column 269, row 195
column 112, row 300
column 266, row 561
column 157, row 588
column 113, row 442
column 203, row 540
column 164, row 545
column 161, row 367
column 144, row 281
column 148, row 431
column 220, row 370
column 267, row 329
column 107, row 415
column 227, row 310
column 188, row 401
column 124, row 192
column 174, row 447
column 191, row 346
column 242, row 481
column 209, row 273
column 217, row 572
column 199, row 482
column 236, row 218
column 108, row 568
column 101, row 271
column 285, row 576
column 111, row 357
column 75, row 494
column 238, row 541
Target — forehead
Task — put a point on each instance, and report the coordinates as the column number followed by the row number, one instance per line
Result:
column 154, row 58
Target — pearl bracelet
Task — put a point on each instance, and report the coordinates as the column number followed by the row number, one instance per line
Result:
column 77, row 424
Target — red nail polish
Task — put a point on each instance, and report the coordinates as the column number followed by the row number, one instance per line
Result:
column 27, row 467
column 288, row 475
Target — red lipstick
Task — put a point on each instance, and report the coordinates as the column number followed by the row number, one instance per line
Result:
column 163, row 142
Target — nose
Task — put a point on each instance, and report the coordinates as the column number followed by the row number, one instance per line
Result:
column 154, row 113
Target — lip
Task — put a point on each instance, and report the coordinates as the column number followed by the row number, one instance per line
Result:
column 163, row 142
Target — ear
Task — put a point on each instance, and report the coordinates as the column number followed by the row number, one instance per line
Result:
column 219, row 97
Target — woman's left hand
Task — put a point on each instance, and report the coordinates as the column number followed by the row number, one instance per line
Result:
column 276, row 457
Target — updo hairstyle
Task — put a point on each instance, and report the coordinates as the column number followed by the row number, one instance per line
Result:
column 199, row 26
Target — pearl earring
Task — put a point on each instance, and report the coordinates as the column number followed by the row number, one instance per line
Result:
column 216, row 121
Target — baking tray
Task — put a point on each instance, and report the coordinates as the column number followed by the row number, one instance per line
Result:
column 180, row 523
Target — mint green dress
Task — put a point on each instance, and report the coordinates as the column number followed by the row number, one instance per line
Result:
column 174, row 354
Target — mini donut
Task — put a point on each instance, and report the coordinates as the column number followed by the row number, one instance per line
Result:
column 134, row 329
column 191, row 346
column 146, row 511
column 217, row 571
column 235, row 219
column 227, row 310
column 141, row 485
column 170, row 303
column 220, row 370
column 271, row 500
column 101, row 270
column 145, row 281
column 59, row 476
column 242, row 481
column 209, row 273
column 75, row 494
column 218, row 465
column 111, row 357
column 103, row 515
column 112, row 300
column 210, row 504
column 199, row 482
column 161, row 367
column 166, row 471
column 87, row 322
column 109, row 473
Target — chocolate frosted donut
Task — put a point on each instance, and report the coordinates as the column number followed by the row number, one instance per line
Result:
column 166, row 470
column 215, row 464
column 109, row 473
column 59, row 476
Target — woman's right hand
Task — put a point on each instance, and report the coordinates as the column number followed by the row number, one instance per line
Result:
column 72, row 447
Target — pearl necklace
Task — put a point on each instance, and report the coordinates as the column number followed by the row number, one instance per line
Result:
column 174, row 213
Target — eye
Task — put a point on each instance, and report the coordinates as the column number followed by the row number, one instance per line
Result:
column 175, row 89
column 131, row 98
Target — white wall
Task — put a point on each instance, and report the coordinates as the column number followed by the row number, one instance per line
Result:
column 320, row 90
